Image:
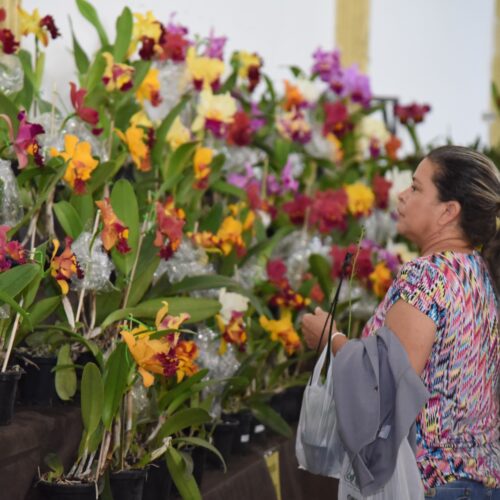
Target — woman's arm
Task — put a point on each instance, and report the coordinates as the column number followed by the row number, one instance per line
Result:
column 415, row 331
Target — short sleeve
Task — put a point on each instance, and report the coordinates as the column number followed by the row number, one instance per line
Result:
column 423, row 285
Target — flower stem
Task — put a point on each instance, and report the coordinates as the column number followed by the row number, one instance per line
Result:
column 11, row 339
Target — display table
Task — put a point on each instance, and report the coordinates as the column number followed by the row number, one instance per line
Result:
column 35, row 432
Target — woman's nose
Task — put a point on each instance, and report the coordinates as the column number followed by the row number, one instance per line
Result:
column 402, row 194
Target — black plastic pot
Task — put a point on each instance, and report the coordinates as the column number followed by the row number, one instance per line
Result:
column 223, row 438
column 158, row 482
column 241, row 441
column 257, row 430
column 37, row 386
column 8, row 388
column 128, row 484
column 60, row 491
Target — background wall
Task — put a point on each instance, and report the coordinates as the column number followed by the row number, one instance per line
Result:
column 434, row 51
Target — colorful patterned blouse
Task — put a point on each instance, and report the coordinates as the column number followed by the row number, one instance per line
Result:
column 458, row 435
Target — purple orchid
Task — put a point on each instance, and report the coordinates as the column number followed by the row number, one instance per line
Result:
column 215, row 46
column 357, row 85
column 327, row 64
column 287, row 179
column 242, row 180
column 273, row 186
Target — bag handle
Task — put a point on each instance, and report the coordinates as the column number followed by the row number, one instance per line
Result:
column 332, row 309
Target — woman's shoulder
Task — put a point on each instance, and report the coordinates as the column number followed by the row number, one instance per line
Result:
column 427, row 268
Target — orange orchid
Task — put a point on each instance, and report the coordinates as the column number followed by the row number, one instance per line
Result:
column 136, row 140
column 81, row 164
column 63, row 265
column 115, row 232
column 170, row 222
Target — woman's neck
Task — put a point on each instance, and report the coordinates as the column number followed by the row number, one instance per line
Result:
column 443, row 244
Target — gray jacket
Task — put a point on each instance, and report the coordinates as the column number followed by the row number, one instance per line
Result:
column 377, row 395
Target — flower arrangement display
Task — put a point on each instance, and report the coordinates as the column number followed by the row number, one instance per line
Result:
column 177, row 222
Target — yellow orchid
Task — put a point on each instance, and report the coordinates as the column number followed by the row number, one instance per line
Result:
column 146, row 26
column 135, row 139
column 205, row 72
column 229, row 235
column 149, row 89
column 117, row 76
column 81, row 164
column 237, row 208
column 381, row 279
column 165, row 321
column 30, row 23
column 146, row 352
column 360, row 199
column 215, row 112
column 282, row 331
column 247, row 61
column 140, row 119
column 178, row 134
column 201, row 164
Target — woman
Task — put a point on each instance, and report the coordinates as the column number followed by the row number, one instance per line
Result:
column 443, row 307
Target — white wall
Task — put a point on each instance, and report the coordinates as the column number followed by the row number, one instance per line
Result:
column 434, row 51
column 438, row 52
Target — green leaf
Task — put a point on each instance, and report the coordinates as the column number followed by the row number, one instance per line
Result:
column 115, row 383
column 81, row 58
column 226, row 188
column 104, row 172
column 88, row 11
column 146, row 267
column 40, row 310
column 125, row 206
column 196, row 441
column 183, row 479
column 198, row 309
column 321, row 269
column 162, row 131
column 92, row 397
column 184, row 387
column 15, row 280
column 265, row 414
column 68, row 218
column 84, row 206
column 10, row 109
column 55, row 464
column 95, row 72
column 177, row 162
column 213, row 220
column 141, row 69
column 123, row 35
column 265, row 248
column 184, row 418
column 65, row 378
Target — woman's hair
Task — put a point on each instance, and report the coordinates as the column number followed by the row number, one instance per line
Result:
column 473, row 180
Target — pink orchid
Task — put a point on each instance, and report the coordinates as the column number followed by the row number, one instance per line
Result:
column 88, row 115
column 25, row 142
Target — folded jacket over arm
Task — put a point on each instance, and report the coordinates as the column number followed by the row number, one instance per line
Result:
column 378, row 395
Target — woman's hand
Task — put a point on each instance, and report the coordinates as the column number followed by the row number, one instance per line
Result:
column 312, row 326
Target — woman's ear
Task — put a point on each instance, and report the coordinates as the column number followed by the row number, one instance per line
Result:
column 451, row 212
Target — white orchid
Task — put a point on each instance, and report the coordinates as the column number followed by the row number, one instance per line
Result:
column 401, row 180
column 231, row 302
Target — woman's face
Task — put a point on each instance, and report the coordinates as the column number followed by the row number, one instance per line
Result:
column 419, row 207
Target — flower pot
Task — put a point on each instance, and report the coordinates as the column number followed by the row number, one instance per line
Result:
column 37, row 386
column 8, row 388
column 257, row 430
column 158, row 482
column 128, row 484
column 241, row 441
column 223, row 439
column 67, row 491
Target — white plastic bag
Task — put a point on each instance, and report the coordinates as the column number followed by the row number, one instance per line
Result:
column 318, row 447
column 405, row 482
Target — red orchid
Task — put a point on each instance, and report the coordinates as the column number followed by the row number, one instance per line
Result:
column 240, row 130
column 25, row 142
column 364, row 266
column 9, row 43
column 381, row 188
column 88, row 115
column 336, row 119
column 48, row 23
column 276, row 271
column 329, row 210
column 296, row 209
